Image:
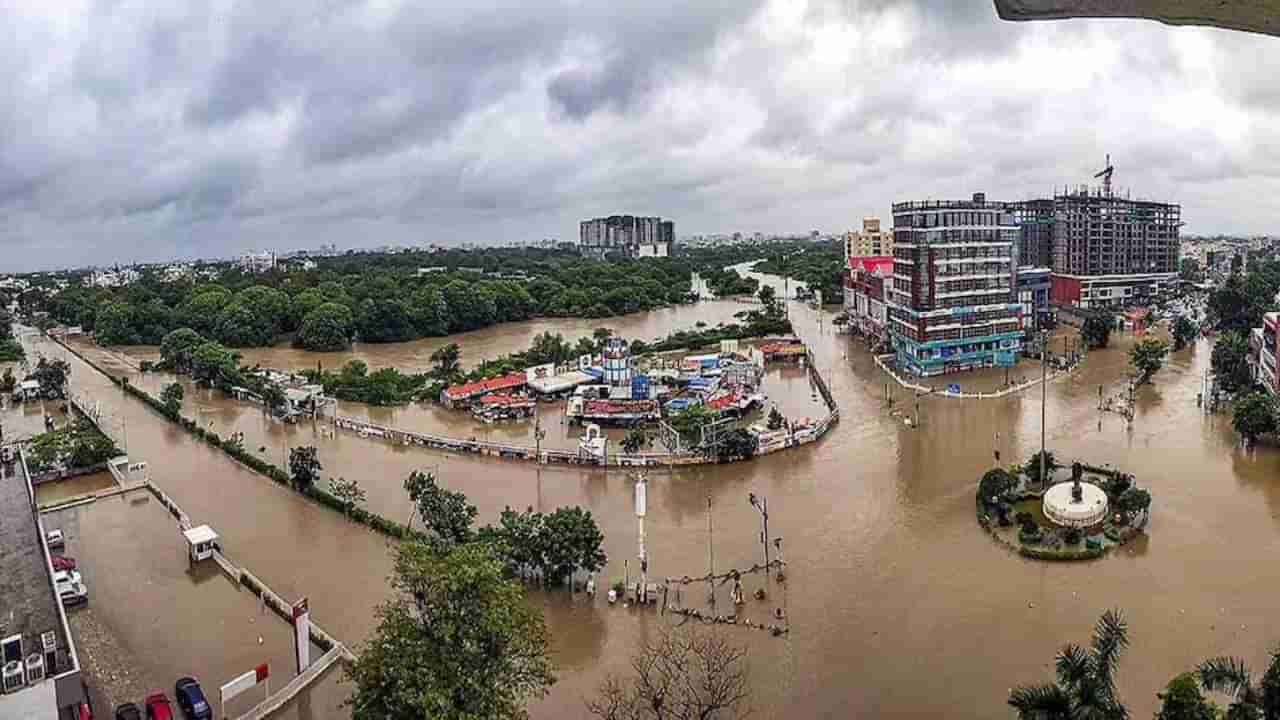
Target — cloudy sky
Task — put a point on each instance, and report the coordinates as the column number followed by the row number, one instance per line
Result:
column 151, row 129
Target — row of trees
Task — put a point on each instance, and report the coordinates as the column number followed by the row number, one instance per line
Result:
column 820, row 266
column 382, row 298
column 1084, row 685
column 10, row 348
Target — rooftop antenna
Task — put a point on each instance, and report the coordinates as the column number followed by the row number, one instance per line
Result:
column 1106, row 176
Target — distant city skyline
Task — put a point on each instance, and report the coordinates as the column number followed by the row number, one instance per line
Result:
column 153, row 131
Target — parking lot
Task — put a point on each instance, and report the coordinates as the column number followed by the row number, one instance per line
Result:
column 153, row 617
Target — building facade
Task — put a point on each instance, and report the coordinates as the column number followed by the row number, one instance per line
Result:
column 870, row 241
column 631, row 236
column 952, row 304
column 1263, row 351
column 1111, row 251
column 1035, row 243
column 1033, row 286
column 865, row 301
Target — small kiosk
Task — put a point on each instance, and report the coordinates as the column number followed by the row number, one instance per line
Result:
column 200, row 542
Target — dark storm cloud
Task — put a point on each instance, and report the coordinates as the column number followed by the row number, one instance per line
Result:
column 208, row 128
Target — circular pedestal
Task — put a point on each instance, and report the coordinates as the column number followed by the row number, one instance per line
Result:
column 1061, row 509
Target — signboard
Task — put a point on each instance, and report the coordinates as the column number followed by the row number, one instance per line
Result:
column 302, row 634
column 537, row 372
column 1006, row 359
column 641, row 498
column 244, row 682
column 584, row 362
column 953, row 388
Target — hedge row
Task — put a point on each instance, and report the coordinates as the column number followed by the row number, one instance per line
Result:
column 234, row 449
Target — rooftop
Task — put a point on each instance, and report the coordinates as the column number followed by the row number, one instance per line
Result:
column 27, row 603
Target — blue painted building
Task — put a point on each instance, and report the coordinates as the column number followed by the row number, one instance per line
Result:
column 1033, row 286
column 953, row 305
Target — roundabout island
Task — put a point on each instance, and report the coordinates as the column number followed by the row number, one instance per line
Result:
column 1079, row 512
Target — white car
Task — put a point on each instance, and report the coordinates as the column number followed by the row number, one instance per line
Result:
column 54, row 539
column 70, row 589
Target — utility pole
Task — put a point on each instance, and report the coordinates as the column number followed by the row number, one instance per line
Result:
column 1044, row 394
column 641, row 485
column 538, row 434
column 711, row 557
column 761, row 504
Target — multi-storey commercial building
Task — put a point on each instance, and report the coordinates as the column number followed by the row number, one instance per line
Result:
column 865, row 288
column 952, row 304
column 1035, row 244
column 1113, row 251
column 628, row 235
column 870, row 241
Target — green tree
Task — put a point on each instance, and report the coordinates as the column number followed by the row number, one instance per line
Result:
column 304, row 466
column 1032, row 467
column 519, row 538
column 994, row 484
column 1133, row 501
column 214, row 364
column 1190, row 270
column 1254, row 415
column 1085, row 679
column 52, row 376
column 430, row 312
column 446, row 513
column 6, row 325
column 326, row 328
column 548, row 347
column 348, row 492
column 1230, row 361
column 572, row 542
column 7, row 381
column 1182, row 700
column 384, row 320
column 114, row 325
column 637, row 439
column 1096, row 331
column 200, row 313
column 456, row 641
column 177, row 348
column 171, row 396
column 1184, row 332
column 1249, row 701
column 1147, row 357
column 769, row 298
column 683, row 675
column 445, row 359
column 469, row 306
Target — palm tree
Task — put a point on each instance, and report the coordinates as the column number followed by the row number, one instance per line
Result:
column 1085, row 688
column 1249, row 701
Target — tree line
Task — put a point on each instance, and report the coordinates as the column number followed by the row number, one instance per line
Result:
column 382, row 298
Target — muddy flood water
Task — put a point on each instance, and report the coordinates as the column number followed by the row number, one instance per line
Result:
column 899, row 605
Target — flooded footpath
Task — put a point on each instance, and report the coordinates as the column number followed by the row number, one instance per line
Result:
column 889, row 578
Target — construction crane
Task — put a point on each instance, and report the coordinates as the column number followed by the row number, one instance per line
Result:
column 1106, row 176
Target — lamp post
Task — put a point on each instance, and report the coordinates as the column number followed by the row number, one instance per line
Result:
column 538, row 434
column 1044, row 384
column 761, row 504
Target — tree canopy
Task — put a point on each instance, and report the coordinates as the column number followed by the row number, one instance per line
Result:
column 1254, row 415
column 1230, row 361
column 457, row 641
column 1147, row 357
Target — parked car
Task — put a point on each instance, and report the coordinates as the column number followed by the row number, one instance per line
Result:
column 158, row 707
column 70, row 588
column 54, row 539
column 128, row 711
column 61, row 562
column 191, row 699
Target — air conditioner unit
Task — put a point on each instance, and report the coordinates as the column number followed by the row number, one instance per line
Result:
column 35, row 668
column 49, row 642
column 12, row 677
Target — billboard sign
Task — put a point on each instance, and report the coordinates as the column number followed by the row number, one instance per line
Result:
column 538, row 372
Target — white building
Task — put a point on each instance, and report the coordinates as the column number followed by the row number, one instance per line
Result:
column 258, row 262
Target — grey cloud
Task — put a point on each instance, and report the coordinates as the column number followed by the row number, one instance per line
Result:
column 206, row 128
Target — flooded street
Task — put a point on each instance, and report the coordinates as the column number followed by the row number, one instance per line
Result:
column 892, row 587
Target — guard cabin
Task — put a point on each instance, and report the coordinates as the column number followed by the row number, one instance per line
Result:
column 201, row 542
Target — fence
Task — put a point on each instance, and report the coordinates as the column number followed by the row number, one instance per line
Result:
column 882, row 362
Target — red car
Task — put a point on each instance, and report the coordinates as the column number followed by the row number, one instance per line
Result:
column 61, row 562
column 158, row 707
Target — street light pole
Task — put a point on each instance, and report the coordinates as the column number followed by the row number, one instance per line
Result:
column 761, row 504
column 1044, row 393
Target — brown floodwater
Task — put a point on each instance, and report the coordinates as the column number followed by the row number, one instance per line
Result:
column 175, row 619
column 899, row 605
column 53, row 491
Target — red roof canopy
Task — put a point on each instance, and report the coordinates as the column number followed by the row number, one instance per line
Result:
column 876, row 264
column 480, row 387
